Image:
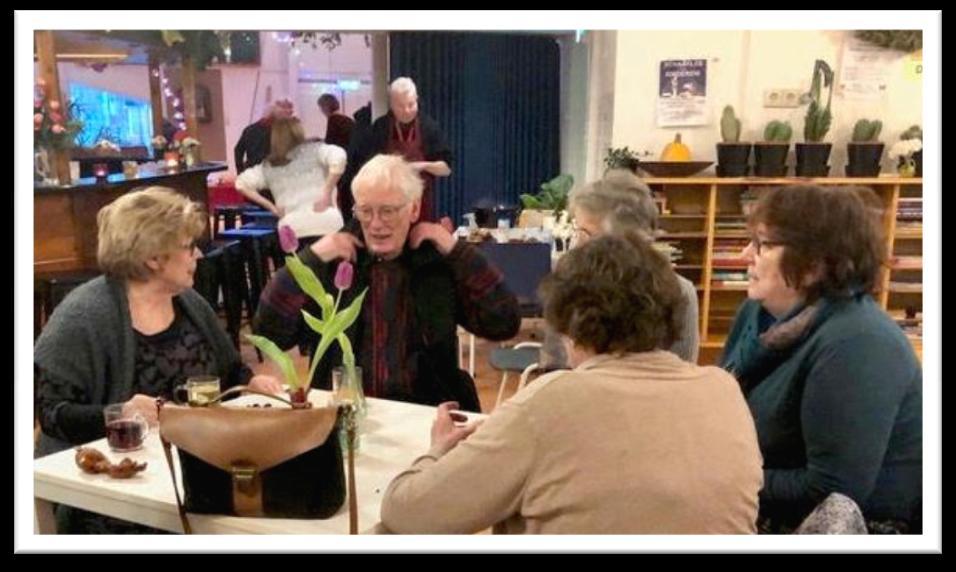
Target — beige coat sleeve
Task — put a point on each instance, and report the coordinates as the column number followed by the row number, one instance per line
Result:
column 477, row 484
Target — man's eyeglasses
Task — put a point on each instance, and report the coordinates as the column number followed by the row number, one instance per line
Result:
column 386, row 213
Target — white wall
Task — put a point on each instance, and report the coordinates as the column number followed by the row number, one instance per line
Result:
column 352, row 60
column 574, row 107
column 741, row 66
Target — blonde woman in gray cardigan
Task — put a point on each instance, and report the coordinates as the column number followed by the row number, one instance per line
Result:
column 632, row 440
column 134, row 333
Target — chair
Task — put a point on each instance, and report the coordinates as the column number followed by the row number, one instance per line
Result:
column 522, row 358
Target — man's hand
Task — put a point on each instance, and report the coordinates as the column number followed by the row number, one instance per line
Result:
column 337, row 245
column 439, row 235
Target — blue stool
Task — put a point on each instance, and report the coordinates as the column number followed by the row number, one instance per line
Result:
column 228, row 215
column 259, row 218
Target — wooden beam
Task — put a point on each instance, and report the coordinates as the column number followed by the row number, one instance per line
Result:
column 46, row 62
column 189, row 96
column 156, row 97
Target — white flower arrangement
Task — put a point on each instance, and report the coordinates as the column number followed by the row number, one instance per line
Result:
column 904, row 149
column 563, row 228
column 190, row 142
column 106, row 145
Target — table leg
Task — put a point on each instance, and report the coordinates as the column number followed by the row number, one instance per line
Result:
column 44, row 521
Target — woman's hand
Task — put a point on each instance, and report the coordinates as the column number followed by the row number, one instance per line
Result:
column 144, row 405
column 445, row 433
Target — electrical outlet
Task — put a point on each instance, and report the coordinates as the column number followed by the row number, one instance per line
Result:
column 781, row 98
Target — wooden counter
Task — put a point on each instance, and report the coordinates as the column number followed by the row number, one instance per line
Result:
column 64, row 218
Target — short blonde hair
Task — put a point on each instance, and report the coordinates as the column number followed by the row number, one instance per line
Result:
column 403, row 85
column 144, row 224
column 388, row 172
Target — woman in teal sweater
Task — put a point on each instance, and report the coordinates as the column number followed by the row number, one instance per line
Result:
column 834, row 386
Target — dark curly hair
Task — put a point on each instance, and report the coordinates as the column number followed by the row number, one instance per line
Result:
column 836, row 231
column 614, row 294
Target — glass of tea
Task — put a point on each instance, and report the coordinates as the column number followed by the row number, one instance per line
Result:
column 200, row 390
column 124, row 431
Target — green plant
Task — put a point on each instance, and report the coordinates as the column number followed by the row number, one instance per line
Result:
column 778, row 132
column 331, row 326
column 729, row 125
column 620, row 158
column 866, row 131
column 553, row 195
column 818, row 119
column 914, row 132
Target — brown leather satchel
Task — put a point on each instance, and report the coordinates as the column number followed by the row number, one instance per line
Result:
column 267, row 462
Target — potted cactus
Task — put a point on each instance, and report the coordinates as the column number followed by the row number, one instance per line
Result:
column 770, row 155
column 813, row 153
column 733, row 157
column 865, row 151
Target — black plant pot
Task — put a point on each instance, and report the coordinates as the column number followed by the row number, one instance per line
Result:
column 812, row 159
column 863, row 159
column 770, row 159
column 918, row 159
column 733, row 159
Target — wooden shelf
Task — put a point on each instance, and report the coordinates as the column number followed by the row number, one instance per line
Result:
column 728, row 288
column 699, row 204
column 677, row 235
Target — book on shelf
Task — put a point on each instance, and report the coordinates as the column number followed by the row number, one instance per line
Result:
column 730, row 283
column 906, row 287
column 907, row 263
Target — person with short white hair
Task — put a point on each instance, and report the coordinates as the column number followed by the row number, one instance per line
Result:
column 415, row 136
column 422, row 284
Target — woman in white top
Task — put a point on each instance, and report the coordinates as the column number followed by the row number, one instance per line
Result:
column 302, row 177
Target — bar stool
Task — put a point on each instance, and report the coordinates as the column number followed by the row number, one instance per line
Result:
column 258, row 245
column 227, row 215
column 221, row 271
column 259, row 218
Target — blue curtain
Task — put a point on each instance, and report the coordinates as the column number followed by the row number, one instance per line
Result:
column 496, row 98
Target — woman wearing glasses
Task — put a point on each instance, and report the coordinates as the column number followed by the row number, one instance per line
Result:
column 133, row 334
column 834, row 385
column 302, row 177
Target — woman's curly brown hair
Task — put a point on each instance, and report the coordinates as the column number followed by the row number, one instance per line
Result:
column 836, row 231
column 614, row 294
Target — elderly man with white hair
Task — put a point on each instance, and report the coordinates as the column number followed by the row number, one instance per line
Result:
column 422, row 283
column 413, row 135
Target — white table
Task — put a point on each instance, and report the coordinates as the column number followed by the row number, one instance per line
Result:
column 393, row 435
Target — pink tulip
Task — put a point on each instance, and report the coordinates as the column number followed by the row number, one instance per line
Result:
column 41, row 82
column 37, row 118
column 54, row 106
column 58, row 129
column 343, row 275
column 288, row 240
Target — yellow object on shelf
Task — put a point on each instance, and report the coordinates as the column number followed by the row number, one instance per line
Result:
column 676, row 151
